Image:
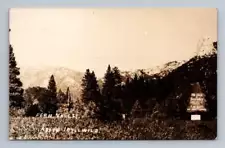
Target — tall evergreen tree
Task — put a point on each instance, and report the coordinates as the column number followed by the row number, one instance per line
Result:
column 52, row 96
column 68, row 96
column 91, row 90
column 117, row 76
column 109, row 83
column 52, row 87
column 95, row 95
column 95, row 92
column 60, row 91
column 117, row 92
column 61, row 97
column 15, row 85
column 86, row 86
column 69, row 99
column 111, row 104
column 128, row 97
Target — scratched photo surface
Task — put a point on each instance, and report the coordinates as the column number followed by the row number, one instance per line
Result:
column 113, row 74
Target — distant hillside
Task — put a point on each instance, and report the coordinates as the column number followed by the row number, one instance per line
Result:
column 175, row 75
column 64, row 78
column 161, row 70
column 169, row 88
column 176, row 86
column 69, row 78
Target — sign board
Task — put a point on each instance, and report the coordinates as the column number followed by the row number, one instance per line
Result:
column 197, row 102
column 195, row 117
column 197, row 99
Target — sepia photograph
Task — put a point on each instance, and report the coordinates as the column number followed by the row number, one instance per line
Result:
column 112, row 74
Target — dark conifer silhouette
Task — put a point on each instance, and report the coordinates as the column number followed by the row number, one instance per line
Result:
column 61, row 96
column 90, row 91
column 117, row 100
column 95, row 92
column 69, row 99
column 117, row 76
column 15, row 85
column 52, row 96
column 127, row 95
column 106, row 109
column 86, row 86
column 109, row 83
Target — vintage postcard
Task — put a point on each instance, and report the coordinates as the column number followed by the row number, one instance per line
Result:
column 113, row 74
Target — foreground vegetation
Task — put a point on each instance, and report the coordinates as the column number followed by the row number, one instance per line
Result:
column 32, row 128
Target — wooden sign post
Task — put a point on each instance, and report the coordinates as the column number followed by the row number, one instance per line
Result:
column 197, row 102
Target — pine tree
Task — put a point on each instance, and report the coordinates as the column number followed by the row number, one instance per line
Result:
column 52, row 87
column 117, row 92
column 61, row 97
column 91, row 92
column 52, row 96
column 86, row 86
column 112, row 105
column 128, row 98
column 15, row 85
column 117, row 76
column 109, row 83
column 118, row 80
column 60, row 91
column 95, row 95
column 95, row 92
column 68, row 96
column 69, row 100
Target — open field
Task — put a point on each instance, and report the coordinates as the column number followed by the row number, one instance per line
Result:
column 36, row 128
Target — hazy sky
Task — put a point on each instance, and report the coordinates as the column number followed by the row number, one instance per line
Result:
column 93, row 38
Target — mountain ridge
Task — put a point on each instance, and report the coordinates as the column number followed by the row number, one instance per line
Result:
column 65, row 77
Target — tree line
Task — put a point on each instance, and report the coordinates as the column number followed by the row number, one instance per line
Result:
column 138, row 96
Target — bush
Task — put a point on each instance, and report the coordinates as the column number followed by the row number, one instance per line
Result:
column 15, row 112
